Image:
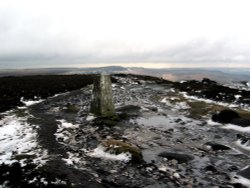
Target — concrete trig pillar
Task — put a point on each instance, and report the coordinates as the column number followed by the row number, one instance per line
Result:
column 102, row 99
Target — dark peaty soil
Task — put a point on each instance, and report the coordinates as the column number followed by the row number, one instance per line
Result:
column 13, row 88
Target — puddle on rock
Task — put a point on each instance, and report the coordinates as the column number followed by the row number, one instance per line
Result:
column 156, row 121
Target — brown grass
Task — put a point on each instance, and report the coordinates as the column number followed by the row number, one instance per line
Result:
column 117, row 147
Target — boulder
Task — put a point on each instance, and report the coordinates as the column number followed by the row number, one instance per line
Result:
column 208, row 81
column 243, row 122
column 225, row 116
column 245, row 173
column 215, row 146
column 230, row 116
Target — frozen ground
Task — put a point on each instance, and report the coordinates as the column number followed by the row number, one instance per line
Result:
column 180, row 145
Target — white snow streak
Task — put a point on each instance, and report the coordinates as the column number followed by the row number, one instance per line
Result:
column 18, row 137
column 99, row 152
column 30, row 102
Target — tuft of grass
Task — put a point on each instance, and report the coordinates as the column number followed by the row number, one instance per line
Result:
column 20, row 157
column 70, row 108
column 117, row 147
column 20, row 113
column 243, row 113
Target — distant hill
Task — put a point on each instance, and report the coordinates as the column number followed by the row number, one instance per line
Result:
column 60, row 71
column 177, row 74
column 222, row 75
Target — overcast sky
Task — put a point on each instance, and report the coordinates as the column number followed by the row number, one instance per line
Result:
column 150, row 33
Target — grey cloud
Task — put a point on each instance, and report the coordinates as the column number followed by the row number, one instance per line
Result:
column 199, row 50
column 31, row 43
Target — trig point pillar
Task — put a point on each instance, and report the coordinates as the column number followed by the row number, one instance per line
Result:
column 102, row 99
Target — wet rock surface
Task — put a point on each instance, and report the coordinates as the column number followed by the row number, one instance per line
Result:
column 169, row 132
column 179, row 157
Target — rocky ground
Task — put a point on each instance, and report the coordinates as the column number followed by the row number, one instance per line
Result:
column 162, row 136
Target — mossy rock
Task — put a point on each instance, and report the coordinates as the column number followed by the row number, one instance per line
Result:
column 72, row 109
column 21, row 113
column 225, row 116
column 117, row 147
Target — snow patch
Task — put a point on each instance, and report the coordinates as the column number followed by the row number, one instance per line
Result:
column 63, row 133
column 211, row 122
column 67, row 125
column 90, row 117
column 237, row 97
column 175, row 105
column 30, row 102
column 99, row 152
column 245, row 146
column 209, row 101
column 237, row 128
column 74, row 159
column 229, row 126
column 17, row 137
column 59, row 94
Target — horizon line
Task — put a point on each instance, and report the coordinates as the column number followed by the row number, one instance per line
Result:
column 86, row 67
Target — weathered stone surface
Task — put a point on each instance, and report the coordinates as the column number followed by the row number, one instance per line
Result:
column 180, row 157
column 245, row 173
column 102, row 102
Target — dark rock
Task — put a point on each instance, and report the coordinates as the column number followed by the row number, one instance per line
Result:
column 15, row 173
column 178, row 120
column 243, row 139
column 215, row 146
column 208, row 81
column 210, row 168
column 233, row 168
column 225, row 116
column 241, row 122
column 239, row 185
column 230, row 116
column 180, row 157
column 152, row 108
column 245, row 173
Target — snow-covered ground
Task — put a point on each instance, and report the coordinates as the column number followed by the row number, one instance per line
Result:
column 240, row 86
column 229, row 105
column 63, row 131
column 17, row 138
